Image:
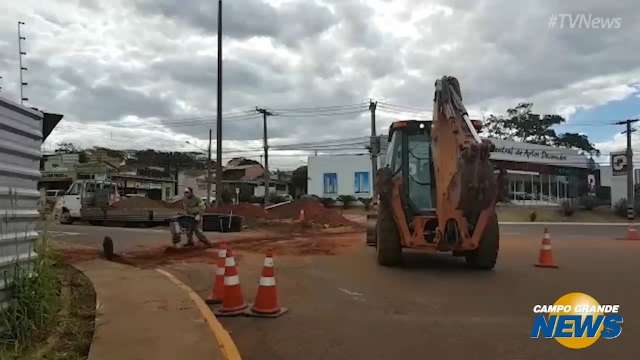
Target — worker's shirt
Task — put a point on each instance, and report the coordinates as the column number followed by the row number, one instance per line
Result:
column 193, row 206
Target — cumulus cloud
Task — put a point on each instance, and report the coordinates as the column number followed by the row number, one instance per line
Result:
column 121, row 68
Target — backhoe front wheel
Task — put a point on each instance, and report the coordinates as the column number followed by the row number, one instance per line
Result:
column 485, row 256
column 388, row 248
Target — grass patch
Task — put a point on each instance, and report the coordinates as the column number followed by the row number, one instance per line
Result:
column 53, row 314
column 554, row 214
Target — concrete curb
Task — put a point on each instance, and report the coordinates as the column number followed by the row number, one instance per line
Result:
column 565, row 223
column 227, row 346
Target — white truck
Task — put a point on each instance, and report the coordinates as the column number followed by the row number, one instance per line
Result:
column 83, row 194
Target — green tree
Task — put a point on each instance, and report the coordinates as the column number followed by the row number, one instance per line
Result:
column 522, row 124
column 71, row 148
column 577, row 141
column 67, row 148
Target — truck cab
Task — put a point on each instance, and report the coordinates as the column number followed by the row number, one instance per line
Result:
column 410, row 159
column 84, row 194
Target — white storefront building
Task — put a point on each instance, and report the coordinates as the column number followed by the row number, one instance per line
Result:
column 333, row 175
column 536, row 174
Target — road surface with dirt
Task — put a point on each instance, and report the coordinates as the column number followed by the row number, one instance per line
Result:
column 345, row 306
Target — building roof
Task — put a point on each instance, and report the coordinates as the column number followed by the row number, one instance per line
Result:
column 142, row 178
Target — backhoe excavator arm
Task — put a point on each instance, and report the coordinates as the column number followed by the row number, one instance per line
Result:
column 465, row 181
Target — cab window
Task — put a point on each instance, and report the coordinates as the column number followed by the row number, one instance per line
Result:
column 74, row 189
column 394, row 154
column 90, row 187
column 419, row 171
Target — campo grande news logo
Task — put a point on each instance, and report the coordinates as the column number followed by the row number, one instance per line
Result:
column 576, row 320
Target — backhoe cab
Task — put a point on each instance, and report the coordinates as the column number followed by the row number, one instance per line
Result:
column 437, row 189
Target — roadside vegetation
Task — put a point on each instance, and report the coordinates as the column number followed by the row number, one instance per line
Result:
column 566, row 212
column 52, row 312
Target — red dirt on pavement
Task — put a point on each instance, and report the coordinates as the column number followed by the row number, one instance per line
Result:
column 144, row 258
column 316, row 244
column 76, row 255
column 314, row 212
column 248, row 211
column 297, row 244
column 161, row 255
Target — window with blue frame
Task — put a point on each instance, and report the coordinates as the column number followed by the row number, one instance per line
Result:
column 361, row 182
column 330, row 183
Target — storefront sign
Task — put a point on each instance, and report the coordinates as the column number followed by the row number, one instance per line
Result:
column 514, row 151
column 536, row 154
column 618, row 163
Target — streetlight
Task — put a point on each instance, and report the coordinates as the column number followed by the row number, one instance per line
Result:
column 219, row 113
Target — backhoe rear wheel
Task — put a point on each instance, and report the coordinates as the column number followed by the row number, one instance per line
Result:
column 485, row 256
column 388, row 248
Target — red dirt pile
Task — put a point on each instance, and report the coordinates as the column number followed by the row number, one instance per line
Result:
column 248, row 211
column 139, row 203
column 314, row 212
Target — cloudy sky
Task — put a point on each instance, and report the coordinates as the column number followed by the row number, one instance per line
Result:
column 142, row 73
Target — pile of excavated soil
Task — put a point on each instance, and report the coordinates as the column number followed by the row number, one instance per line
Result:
column 139, row 203
column 314, row 212
column 248, row 211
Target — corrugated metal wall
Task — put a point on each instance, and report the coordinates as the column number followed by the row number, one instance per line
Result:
column 20, row 140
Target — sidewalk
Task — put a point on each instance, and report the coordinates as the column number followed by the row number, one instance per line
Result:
column 141, row 314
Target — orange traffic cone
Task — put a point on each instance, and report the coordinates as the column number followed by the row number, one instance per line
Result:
column 232, row 302
column 266, row 304
column 632, row 233
column 545, row 259
column 217, row 292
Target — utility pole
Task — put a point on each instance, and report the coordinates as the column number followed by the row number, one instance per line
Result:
column 374, row 146
column 209, row 170
column 219, row 189
column 267, row 176
column 630, row 174
column 22, row 68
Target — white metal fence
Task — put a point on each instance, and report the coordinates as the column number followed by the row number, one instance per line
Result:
column 20, row 140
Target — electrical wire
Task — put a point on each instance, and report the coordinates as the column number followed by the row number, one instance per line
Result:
column 319, row 114
column 407, row 108
column 319, row 108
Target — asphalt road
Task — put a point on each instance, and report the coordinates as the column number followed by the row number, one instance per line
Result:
column 124, row 239
column 348, row 307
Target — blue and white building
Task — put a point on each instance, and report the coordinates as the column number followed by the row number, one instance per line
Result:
column 333, row 175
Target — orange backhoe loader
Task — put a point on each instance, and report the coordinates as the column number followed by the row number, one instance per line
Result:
column 437, row 191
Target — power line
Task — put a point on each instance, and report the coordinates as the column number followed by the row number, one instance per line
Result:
column 205, row 123
column 318, row 108
column 404, row 108
column 320, row 114
column 331, row 141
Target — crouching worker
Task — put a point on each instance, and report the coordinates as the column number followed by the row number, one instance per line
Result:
column 194, row 206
